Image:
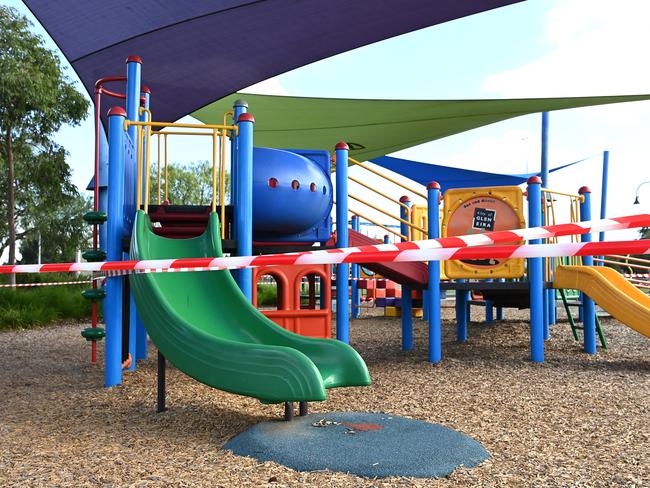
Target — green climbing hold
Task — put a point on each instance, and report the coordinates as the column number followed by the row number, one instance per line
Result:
column 94, row 255
column 95, row 217
column 93, row 333
column 94, row 294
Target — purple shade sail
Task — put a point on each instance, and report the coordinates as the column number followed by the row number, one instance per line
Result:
column 198, row 51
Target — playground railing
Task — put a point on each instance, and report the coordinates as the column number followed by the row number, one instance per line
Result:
column 219, row 135
column 550, row 214
column 636, row 266
column 406, row 223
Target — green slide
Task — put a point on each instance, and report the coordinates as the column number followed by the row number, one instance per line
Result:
column 204, row 325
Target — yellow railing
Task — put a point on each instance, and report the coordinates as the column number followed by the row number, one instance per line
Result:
column 412, row 228
column 219, row 134
column 550, row 218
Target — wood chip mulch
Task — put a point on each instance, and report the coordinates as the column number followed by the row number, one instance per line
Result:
column 572, row 421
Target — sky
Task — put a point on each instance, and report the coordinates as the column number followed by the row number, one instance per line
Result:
column 537, row 48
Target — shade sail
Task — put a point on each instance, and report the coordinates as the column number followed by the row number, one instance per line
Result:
column 374, row 128
column 197, row 51
column 449, row 177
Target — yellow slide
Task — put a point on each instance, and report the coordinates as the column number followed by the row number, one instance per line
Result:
column 620, row 298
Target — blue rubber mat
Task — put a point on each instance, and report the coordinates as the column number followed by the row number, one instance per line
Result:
column 364, row 444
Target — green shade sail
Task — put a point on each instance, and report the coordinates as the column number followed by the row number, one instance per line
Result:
column 375, row 128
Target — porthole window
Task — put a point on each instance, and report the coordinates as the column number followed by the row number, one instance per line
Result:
column 273, row 182
column 312, row 187
column 295, row 184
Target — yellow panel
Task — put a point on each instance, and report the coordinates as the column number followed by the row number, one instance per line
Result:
column 480, row 210
column 420, row 218
column 393, row 312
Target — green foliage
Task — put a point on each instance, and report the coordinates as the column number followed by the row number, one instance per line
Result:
column 187, row 185
column 62, row 230
column 36, row 99
column 34, row 307
column 267, row 295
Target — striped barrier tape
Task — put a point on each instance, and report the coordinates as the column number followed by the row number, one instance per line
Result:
column 461, row 247
column 348, row 255
column 53, row 283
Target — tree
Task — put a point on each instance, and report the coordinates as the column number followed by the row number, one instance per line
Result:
column 62, row 231
column 188, row 185
column 36, row 98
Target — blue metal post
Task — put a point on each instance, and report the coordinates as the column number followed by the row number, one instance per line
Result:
column 112, row 305
column 549, row 297
column 132, row 103
column 589, row 318
column 355, row 298
column 500, row 309
column 489, row 309
column 239, row 107
column 133, row 76
column 243, row 212
column 342, row 270
column 603, row 193
column 536, row 274
column 544, row 165
column 462, row 312
column 433, row 292
column 407, row 301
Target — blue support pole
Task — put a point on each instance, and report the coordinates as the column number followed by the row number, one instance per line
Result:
column 489, row 311
column 407, row 300
column 589, row 318
column 433, row 292
column 243, row 212
column 355, row 298
column 239, row 107
column 133, row 76
column 544, row 172
column 112, row 305
column 536, row 274
column 342, row 270
column 462, row 309
column 499, row 313
column 603, row 194
column 132, row 104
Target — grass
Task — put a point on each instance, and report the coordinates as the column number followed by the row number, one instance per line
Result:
column 267, row 295
column 24, row 308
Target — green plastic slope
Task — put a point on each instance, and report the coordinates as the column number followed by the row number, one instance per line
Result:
column 204, row 325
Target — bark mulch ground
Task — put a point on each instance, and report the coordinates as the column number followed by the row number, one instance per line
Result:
column 572, row 421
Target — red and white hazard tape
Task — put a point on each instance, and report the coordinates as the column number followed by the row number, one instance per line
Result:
column 53, row 283
column 448, row 248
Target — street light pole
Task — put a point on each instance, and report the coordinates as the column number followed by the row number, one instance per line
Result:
column 636, row 197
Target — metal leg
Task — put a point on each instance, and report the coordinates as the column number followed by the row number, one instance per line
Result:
column 288, row 411
column 160, row 404
column 303, row 408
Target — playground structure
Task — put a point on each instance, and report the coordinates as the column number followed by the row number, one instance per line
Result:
column 479, row 210
column 292, row 203
column 281, row 200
